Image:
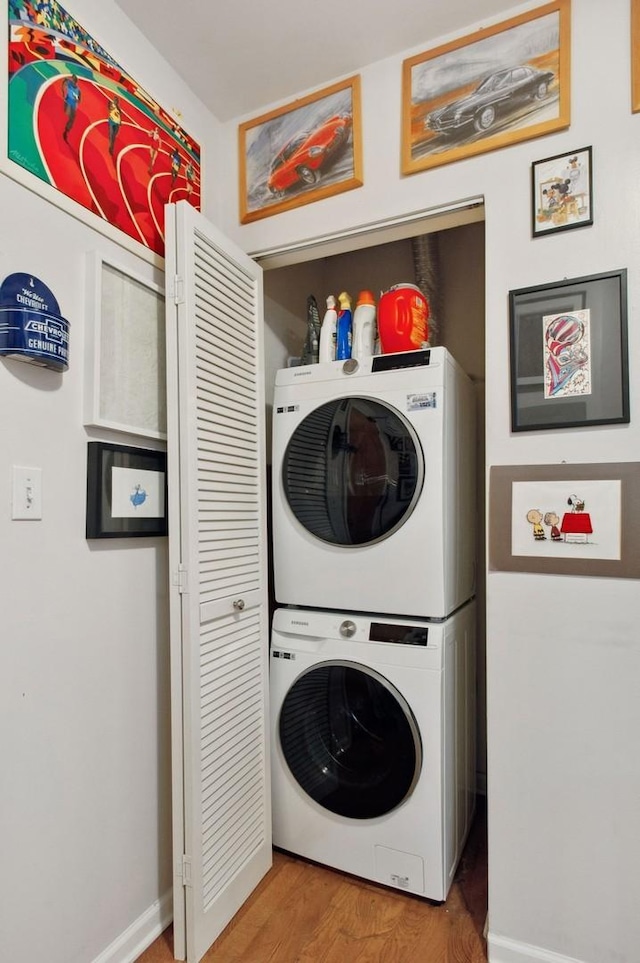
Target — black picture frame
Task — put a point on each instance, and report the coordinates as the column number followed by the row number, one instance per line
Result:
column 562, row 192
column 569, row 354
column 124, row 497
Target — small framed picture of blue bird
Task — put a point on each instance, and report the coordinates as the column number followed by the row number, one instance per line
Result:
column 126, row 491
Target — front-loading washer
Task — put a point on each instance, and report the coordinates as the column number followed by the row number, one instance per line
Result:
column 373, row 745
column 374, row 485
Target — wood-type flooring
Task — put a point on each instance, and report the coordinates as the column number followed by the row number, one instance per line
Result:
column 305, row 913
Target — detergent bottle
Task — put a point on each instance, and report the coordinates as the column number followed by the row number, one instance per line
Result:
column 345, row 328
column 403, row 313
column 364, row 325
column 327, row 351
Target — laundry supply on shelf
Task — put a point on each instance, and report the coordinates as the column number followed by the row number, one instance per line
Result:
column 344, row 328
column 403, row 313
column 328, row 331
column 364, row 326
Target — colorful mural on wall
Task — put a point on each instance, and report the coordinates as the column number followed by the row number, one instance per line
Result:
column 79, row 122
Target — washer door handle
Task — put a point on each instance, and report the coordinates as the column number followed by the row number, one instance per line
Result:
column 348, row 629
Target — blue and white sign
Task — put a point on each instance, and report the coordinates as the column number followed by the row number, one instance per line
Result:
column 31, row 326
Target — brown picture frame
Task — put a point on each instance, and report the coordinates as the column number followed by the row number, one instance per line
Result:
column 502, row 479
column 300, row 153
column 475, row 94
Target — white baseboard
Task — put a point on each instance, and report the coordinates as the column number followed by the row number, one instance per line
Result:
column 503, row 950
column 136, row 938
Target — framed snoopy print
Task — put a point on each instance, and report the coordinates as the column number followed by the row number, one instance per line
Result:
column 562, row 192
column 565, row 519
column 569, row 357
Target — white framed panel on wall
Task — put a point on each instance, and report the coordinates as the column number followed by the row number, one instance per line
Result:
column 125, row 371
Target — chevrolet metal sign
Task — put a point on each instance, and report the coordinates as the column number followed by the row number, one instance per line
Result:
column 31, row 327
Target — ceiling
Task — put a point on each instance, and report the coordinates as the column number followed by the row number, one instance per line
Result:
column 238, row 56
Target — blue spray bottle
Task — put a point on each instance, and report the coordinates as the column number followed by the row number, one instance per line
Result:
column 344, row 328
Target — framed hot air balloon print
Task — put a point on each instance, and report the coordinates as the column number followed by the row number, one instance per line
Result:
column 568, row 349
column 126, row 491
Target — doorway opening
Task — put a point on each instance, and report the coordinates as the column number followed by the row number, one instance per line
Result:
column 375, row 258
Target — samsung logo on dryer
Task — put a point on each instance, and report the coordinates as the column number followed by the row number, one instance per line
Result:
column 297, row 622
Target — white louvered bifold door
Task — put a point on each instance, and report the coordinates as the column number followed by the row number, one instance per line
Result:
column 218, row 551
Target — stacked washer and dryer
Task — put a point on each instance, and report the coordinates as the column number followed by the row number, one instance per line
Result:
column 373, row 645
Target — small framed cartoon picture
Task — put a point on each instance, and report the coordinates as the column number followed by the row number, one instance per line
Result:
column 562, row 192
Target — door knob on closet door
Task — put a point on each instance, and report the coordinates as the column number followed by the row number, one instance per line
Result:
column 238, row 605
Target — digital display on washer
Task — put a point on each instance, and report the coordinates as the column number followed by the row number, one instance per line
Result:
column 402, row 634
column 402, row 359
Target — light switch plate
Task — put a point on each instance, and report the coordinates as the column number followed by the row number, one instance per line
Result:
column 27, row 493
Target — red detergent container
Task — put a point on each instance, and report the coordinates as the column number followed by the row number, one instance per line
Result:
column 403, row 313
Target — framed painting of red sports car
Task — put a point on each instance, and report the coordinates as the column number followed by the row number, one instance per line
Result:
column 501, row 85
column 301, row 153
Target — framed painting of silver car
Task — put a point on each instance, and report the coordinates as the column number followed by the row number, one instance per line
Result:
column 498, row 86
column 303, row 152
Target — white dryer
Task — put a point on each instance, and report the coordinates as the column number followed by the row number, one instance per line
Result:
column 374, row 485
column 373, row 746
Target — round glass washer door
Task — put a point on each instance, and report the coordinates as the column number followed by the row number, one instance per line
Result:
column 353, row 471
column 350, row 740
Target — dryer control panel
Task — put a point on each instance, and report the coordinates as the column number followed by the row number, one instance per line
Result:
column 398, row 633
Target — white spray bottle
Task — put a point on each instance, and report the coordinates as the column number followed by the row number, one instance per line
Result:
column 327, row 350
column 364, row 326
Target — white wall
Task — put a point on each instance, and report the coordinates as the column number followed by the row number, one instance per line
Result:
column 84, row 660
column 563, row 653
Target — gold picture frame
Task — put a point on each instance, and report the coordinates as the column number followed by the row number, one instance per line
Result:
column 300, row 153
column 496, row 87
